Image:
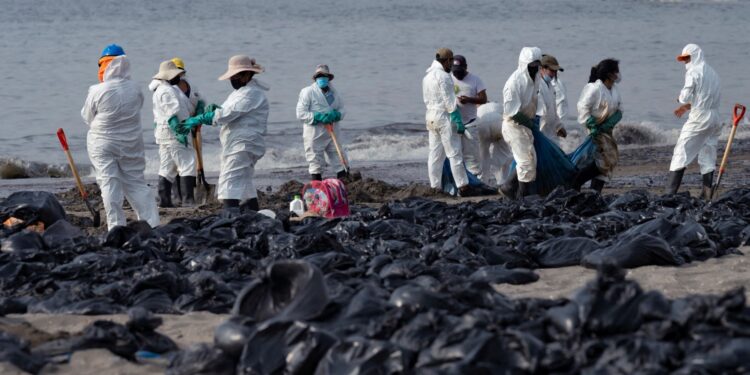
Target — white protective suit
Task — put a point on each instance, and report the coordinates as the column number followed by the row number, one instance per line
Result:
column 471, row 85
column 520, row 96
column 243, row 119
column 700, row 134
column 549, row 121
column 318, row 143
column 494, row 153
column 444, row 140
column 115, row 144
column 174, row 157
column 599, row 101
column 561, row 97
column 194, row 97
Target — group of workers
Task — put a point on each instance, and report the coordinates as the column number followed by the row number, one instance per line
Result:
column 533, row 104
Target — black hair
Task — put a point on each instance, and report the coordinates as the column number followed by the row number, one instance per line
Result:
column 604, row 69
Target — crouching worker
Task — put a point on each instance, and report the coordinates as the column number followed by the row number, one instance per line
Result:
column 243, row 119
column 320, row 105
column 115, row 141
column 176, row 155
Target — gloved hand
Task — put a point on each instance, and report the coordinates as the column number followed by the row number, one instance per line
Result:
column 334, row 116
column 536, row 121
column 521, row 119
column 206, row 118
column 611, row 121
column 456, row 119
column 178, row 130
column 212, row 107
column 200, row 107
column 319, row 118
column 592, row 126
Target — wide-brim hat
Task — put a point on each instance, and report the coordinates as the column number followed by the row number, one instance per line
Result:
column 323, row 70
column 239, row 64
column 550, row 62
column 168, row 70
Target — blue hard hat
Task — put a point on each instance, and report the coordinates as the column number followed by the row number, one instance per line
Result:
column 113, row 50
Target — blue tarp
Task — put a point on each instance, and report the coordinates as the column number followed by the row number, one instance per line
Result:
column 553, row 167
column 449, row 186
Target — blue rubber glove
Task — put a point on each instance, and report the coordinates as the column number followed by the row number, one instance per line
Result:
column 456, row 119
column 611, row 121
column 212, row 107
column 522, row 120
column 319, row 118
column 206, row 118
column 592, row 126
column 200, row 107
column 334, row 116
column 178, row 130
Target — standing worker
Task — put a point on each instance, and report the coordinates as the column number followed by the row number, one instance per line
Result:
column 320, row 104
column 197, row 103
column 444, row 123
column 548, row 109
column 176, row 156
column 115, row 140
column 471, row 93
column 599, row 110
column 243, row 119
column 700, row 134
column 520, row 97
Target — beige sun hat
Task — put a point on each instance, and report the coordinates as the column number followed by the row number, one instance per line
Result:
column 322, row 70
column 239, row 64
column 168, row 70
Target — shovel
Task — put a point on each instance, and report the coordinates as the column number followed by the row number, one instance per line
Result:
column 329, row 127
column 85, row 195
column 738, row 113
column 204, row 192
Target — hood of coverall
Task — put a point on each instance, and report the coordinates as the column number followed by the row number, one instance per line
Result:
column 696, row 55
column 118, row 68
column 527, row 55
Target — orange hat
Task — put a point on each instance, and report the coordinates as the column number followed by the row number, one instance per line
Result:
column 683, row 57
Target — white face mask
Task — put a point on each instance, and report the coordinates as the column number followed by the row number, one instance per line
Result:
column 618, row 77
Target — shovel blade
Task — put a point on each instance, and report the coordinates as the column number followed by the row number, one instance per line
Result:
column 94, row 213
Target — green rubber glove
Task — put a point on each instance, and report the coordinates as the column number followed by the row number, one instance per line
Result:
column 611, row 121
column 522, row 120
column 456, row 119
column 212, row 107
column 177, row 130
column 592, row 126
column 334, row 116
column 319, row 118
column 200, row 107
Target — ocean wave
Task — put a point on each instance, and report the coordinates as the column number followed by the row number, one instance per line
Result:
column 11, row 168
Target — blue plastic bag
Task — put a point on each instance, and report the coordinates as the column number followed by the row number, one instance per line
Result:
column 449, row 185
column 584, row 156
column 553, row 167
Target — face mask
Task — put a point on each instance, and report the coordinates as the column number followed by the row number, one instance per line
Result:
column 459, row 73
column 103, row 64
column 547, row 79
column 618, row 77
column 322, row 82
column 236, row 83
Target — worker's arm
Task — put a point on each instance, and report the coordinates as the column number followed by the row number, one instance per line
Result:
column 303, row 108
column 686, row 96
column 480, row 99
column 447, row 94
column 339, row 105
column 586, row 103
column 561, row 98
column 88, row 112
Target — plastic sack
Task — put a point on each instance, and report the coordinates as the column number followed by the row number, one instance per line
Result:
column 553, row 167
column 449, row 185
column 32, row 206
column 327, row 198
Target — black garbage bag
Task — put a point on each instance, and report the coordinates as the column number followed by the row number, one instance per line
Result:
column 635, row 249
column 143, row 324
column 103, row 334
column 201, row 359
column 290, row 290
column 24, row 240
column 502, row 275
column 232, row 335
column 61, row 232
column 32, row 206
column 16, row 351
column 358, row 355
column 563, row 252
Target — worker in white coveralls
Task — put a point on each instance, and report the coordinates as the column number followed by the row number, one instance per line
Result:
column 176, row 155
column 494, row 153
column 520, row 99
column 700, row 135
column 471, row 93
column 320, row 105
column 444, row 123
column 243, row 119
column 550, row 122
column 115, row 141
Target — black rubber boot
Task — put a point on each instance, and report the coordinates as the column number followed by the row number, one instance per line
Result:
column 342, row 175
column 585, row 175
column 177, row 190
column 675, row 179
column 708, row 184
column 597, row 185
column 250, row 204
column 231, row 208
column 316, row 177
column 188, row 187
column 165, row 193
column 523, row 189
column 509, row 188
